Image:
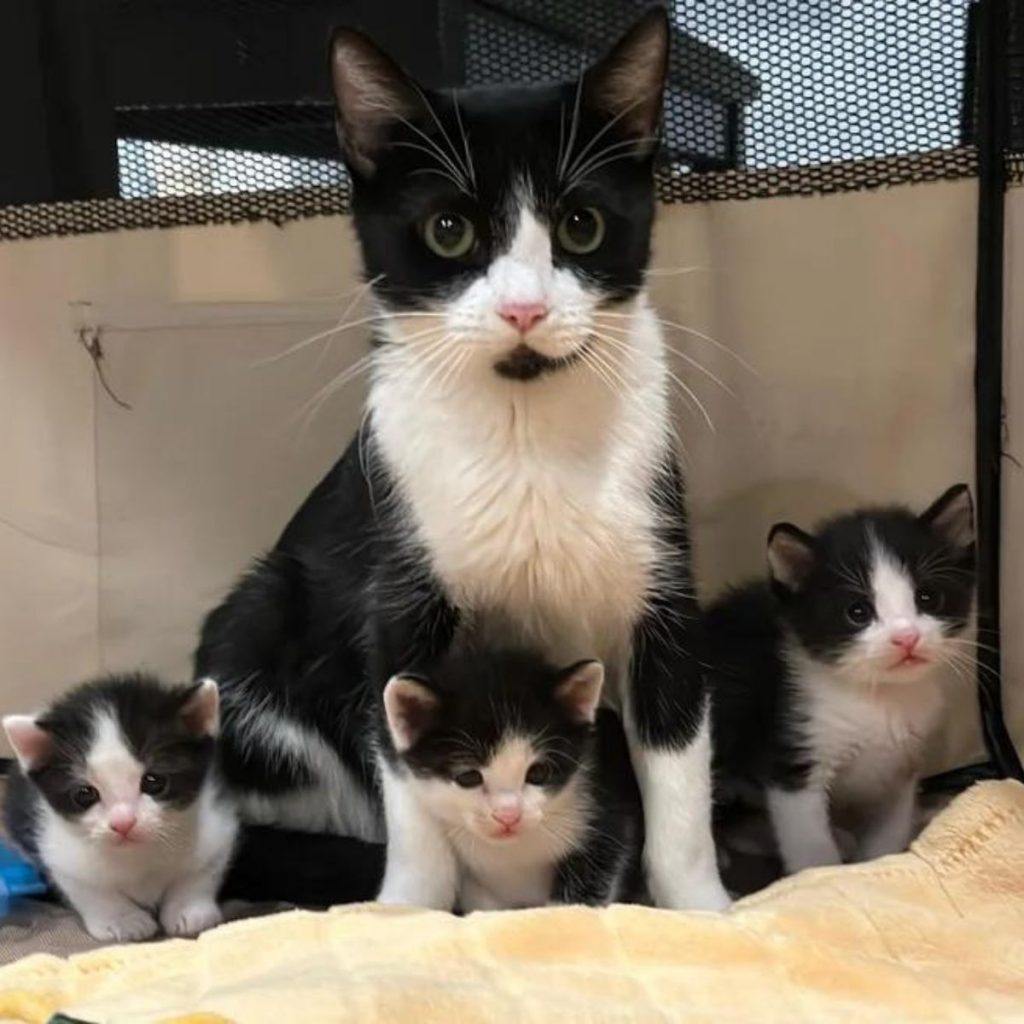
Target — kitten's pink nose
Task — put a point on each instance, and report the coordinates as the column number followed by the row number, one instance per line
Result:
column 522, row 315
column 122, row 821
column 507, row 816
column 907, row 639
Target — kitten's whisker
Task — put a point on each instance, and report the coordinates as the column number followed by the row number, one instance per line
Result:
column 674, row 271
column 609, row 155
column 573, row 169
column 452, row 174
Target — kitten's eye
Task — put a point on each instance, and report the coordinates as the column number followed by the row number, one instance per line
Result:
column 538, row 773
column 581, row 231
column 449, row 235
column 469, row 780
column 153, row 785
column 928, row 599
column 859, row 613
column 85, row 796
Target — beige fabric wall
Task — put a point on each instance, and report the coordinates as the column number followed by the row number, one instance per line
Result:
column 118, row 528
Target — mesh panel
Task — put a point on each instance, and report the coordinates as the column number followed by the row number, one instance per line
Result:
column 768, row 98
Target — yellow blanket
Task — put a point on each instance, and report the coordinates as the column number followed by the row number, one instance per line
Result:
column 933, row 935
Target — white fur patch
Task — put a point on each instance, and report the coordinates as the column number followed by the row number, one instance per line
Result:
column 679, row 853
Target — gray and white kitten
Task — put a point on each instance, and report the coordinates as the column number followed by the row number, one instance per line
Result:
column 117, row 797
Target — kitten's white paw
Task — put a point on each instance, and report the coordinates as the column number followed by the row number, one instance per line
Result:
column 130, row 926
column 190, row 918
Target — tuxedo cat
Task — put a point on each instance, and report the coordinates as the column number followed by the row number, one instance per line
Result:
column 117, row 796
column 530, row 782
column 825, row 680
column 516, row 463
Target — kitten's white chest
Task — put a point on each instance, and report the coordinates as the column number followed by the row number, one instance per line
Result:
column 867, row 739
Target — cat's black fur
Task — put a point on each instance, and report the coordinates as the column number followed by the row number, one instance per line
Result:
column 149, row 714
column 759, row 726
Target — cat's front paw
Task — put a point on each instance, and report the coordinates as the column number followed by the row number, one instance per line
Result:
column 698, row 894
column 128, row 926
column 185, row 919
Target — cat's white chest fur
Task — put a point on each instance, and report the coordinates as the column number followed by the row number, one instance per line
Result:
column 867, row 738
column 533, row 499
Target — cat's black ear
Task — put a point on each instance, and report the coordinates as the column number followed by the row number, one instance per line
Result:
column 952, row 517
column 30, row 742
column 200, row 710
column 372, row 94
column 791, row 554
column 411, row 708
column 579, row 690
column 628, row 83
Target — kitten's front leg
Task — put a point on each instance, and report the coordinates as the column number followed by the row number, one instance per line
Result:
column 669, row 731
column 892, row 824
column 421, row 869
column 107, row 914
column 190, row 905
column 803, row 831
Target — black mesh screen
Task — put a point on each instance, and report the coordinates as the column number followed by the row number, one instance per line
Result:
column 226, row 102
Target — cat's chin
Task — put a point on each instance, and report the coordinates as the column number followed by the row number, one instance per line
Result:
column 524, row 363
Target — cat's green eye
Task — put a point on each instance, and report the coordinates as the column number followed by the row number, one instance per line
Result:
column 449, row 235
column 469, row 780
column 581, row 231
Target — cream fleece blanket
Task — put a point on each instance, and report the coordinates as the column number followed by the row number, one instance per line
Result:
column 933, row 935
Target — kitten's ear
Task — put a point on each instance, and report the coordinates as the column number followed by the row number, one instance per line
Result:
column 372, row 93
column 201, row 710
column 791, row 555
column 411, row 708
column 952, row 517
column 30, row 741
column 628, row 83
column 579, row 690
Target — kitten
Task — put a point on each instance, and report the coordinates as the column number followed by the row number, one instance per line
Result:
column 516, row 459
column 826, row 682
column 532, row 786
column 117, row 797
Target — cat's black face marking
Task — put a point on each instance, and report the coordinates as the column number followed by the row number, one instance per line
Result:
column 484, row 700
column 524, row 363
column 149, row 716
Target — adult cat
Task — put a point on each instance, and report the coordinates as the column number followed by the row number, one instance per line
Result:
column 515, row 467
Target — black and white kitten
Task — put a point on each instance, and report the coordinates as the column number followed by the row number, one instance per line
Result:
column 516, row 462
column 117, row 798
column 530, row 783
column 826, row 680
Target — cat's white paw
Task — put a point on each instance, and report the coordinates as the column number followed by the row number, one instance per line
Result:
column 698, row 894
column 129, row 926
column 191, row 918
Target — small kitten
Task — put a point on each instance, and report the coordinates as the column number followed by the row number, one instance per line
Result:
column 533, row 788
column 824, row 679
column 118, row 798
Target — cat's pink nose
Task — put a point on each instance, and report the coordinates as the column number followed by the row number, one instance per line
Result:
column 122, row 821
column 523, row 315
column 907, row 639
column 507, row 816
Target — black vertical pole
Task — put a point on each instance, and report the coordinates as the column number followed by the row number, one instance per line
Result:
column 992, row 21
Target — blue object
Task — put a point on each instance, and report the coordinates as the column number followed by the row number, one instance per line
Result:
column 18, row 877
